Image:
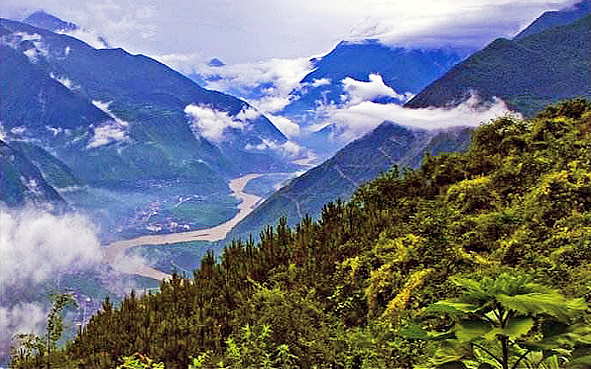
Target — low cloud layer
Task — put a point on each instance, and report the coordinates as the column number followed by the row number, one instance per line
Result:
column 114, row 130
column 359, row 91
column 38, row 248
column 211, row 123
column 37, row 245
column 354, row 120
column 288, row 149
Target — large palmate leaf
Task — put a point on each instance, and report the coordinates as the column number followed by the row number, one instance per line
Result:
column 416, row 332
column 552, row 304
column 562, row 336
column 470, row 330
column 516, row 327
column 451, row 352
column 454, row 307
column 475, row 289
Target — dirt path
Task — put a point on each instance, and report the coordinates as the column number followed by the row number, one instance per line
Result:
column 113, row 252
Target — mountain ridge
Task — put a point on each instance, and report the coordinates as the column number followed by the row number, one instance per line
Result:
column 527, row 73
column 360, row 161
column 126, row 124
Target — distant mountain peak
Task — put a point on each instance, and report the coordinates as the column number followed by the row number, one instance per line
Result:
column 47, row 21
column 215, row 62
column 556, row 18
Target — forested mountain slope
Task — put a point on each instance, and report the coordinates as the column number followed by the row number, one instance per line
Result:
column 516, row 207
column 359, row 162
column 21, row 181
column 138, row 135
column 145, row 119
column 556, row 18
column 527, row 73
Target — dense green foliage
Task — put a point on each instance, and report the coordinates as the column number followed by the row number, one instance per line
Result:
column 337, row 292
column 507, row 322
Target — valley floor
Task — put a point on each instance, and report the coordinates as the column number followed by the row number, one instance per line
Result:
column 115, row 251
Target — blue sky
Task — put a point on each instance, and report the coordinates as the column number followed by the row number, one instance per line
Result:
column 239, row 31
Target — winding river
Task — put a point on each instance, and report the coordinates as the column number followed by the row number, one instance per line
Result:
column 114, row 253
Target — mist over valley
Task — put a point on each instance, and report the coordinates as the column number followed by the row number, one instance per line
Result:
column 123, row 164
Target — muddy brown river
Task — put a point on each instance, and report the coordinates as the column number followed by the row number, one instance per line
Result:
column 114, row 253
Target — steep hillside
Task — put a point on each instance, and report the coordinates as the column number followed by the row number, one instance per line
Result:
column 556, row 19
column 375, row 283
column 527, row 73
column 55, row 172
column 21, row 182
column 357, row 163
column 403, row 70
column 147, row 97
column 139, row 135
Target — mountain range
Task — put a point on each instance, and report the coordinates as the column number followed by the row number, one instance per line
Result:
column 120, row 121
column 536, row 68
column 527, row 72
column 402, row 69
column 123, row 122
column 359, row 162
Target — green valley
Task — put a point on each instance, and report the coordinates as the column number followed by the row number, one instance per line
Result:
column 357, row 288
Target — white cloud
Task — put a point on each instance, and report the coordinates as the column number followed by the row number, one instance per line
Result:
column 64, row 81
column 288, row 149
column 320, row 82
column 114, row 130
column 39, row 48
column 356, row 120
column 108, row 132
column 25, row 318
column 248, row 114
column 37, row 246
column 278, row 76
column 282, row 75
column 211, row 123
column 271, row 104
column 285, row 125
column 359, row 91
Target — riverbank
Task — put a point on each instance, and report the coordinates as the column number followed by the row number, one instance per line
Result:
column 115, row 251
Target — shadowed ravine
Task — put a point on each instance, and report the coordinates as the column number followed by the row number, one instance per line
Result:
column 115, row 251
